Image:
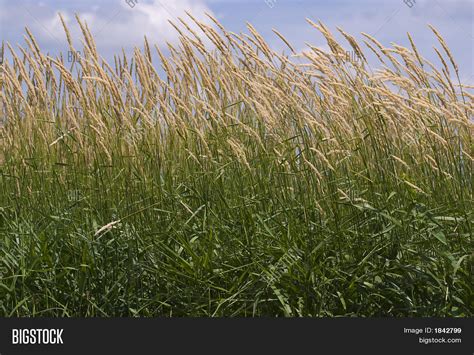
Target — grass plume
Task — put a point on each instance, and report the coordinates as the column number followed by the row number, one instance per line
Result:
column 240, row 181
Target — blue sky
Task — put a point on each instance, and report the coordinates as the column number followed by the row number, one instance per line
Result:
column 115, row 24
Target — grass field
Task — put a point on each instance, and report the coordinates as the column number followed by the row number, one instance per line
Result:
column 226, row 179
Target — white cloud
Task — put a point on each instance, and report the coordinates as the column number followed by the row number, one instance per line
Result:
column 145, row 18
column 114, row 25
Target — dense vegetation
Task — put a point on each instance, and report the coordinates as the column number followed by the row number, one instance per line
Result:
column 232, row 180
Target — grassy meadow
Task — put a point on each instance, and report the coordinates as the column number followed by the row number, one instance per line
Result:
column 223, row 178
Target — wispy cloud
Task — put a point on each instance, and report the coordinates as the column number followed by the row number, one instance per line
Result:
column 114, row 24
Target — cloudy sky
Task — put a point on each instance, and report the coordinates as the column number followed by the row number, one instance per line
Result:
column 118, row 24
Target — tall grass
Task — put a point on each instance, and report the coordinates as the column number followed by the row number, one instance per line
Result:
column 232, row 180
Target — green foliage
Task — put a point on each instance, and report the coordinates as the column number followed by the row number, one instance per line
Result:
column 217, row 239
